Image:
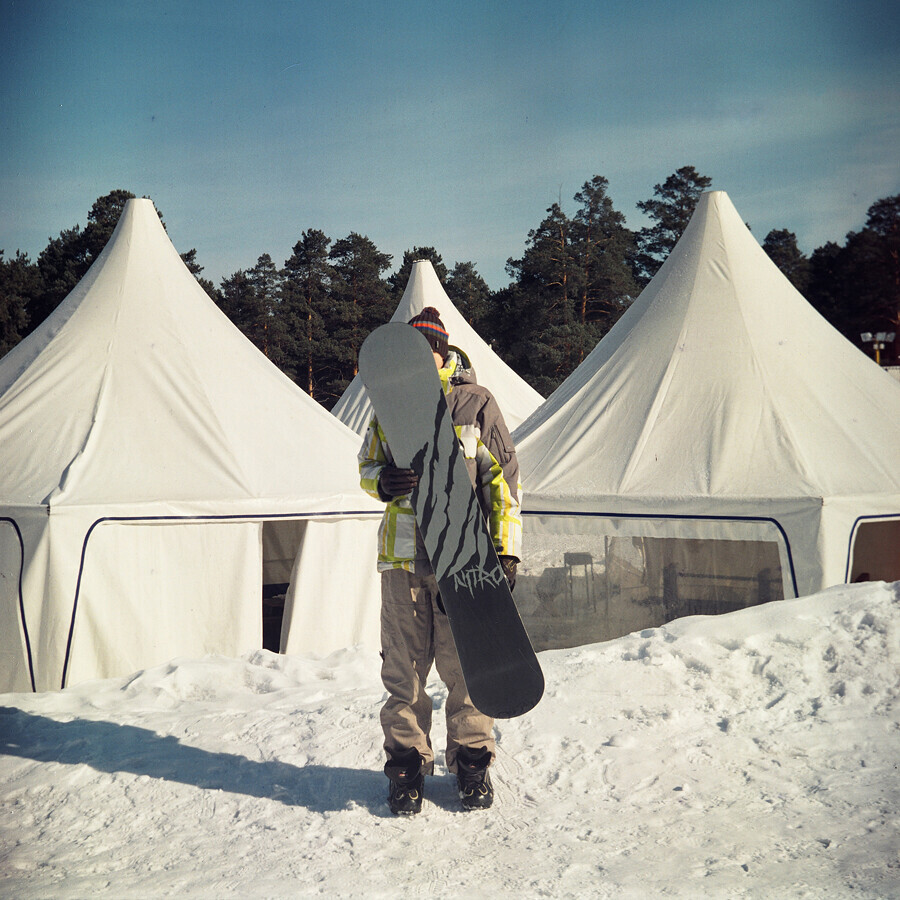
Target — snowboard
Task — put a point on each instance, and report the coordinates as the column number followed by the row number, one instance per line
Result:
column 501, row 671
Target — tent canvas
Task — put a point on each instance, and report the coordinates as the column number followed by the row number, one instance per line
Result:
column 722, row 445
column 147, row 448
column 515, row 397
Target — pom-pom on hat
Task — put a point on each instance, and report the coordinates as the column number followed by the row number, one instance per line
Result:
column 429, row 323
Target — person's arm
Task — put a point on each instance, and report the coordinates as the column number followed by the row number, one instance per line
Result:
column 378, row 476
column 372, row 458
column 499, row 478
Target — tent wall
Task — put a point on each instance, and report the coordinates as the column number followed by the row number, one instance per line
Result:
column 14, row 670
column 334, row 598
column 152, row 592
column 140, row 593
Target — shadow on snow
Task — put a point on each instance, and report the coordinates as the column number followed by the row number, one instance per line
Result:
column 108, row 747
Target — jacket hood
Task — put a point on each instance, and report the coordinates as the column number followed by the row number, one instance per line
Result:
column 459, row 367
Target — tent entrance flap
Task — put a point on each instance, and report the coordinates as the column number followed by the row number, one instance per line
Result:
column 875, row 551
column 593, row 578
column 281, row 543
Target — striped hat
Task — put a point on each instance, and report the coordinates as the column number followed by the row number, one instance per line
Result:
column 429, row 323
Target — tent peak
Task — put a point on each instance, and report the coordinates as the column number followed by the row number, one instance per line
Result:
column 718, row 200
column 421, row 268
column 142, row 205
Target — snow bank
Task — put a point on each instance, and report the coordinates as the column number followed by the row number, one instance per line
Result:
column 747, row 755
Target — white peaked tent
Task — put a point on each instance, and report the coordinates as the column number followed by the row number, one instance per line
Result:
column 721, row 446
column 515, row 397
column 155, row 465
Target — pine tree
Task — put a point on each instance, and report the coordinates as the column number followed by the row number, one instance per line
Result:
column 824, row 288
column 102, row 221
column 470, row 295
column 543, row 337
column 676, row 200
column 781, row 247
column 305, row 304
column 252, row 300
column 876, row 253
column 857, row 286
column 267, row 281
column 19, row 280
column 360, row 302
column 62, row 264
column 606, row 248
column 189, row 258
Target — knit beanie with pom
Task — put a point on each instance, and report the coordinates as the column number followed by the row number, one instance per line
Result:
column 429, row 323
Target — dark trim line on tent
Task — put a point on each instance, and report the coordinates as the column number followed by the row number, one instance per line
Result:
column 150, row 519
column 884, row 518
column 607, row 515
column 15, row 526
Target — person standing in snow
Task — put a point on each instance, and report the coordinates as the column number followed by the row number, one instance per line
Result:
column 415, row 632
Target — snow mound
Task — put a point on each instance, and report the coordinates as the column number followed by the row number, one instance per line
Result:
column 746, row 755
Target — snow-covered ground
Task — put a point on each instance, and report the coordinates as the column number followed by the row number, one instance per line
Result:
column 748, row 755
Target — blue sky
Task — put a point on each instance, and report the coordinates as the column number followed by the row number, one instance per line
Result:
column 453, row 125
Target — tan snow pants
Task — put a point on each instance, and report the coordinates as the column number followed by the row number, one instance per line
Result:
column 415, row 634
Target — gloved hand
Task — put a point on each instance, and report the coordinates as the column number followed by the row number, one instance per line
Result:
column 394, row 482
column 509, row 563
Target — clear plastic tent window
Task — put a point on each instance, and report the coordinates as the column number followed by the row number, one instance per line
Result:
column 594, row 578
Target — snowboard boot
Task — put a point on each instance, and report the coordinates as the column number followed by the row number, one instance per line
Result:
column 473, row 779
column 407, row 783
